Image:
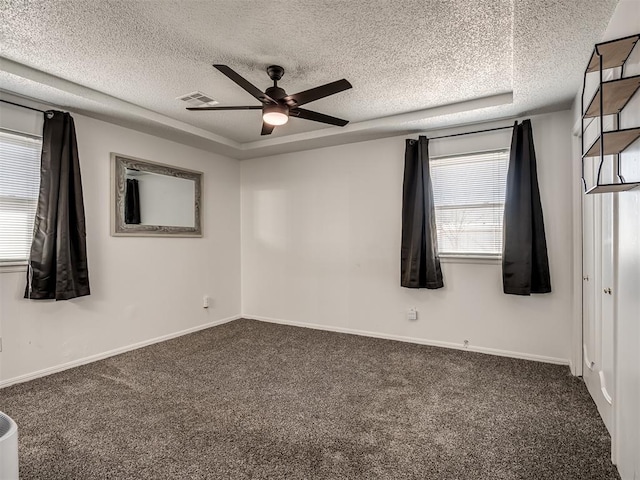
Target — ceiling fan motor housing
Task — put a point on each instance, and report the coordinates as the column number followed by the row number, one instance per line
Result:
column 276, row 93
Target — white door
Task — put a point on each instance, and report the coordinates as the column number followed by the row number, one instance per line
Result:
column 598, row 304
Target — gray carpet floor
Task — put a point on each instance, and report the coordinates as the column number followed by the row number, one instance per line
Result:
column 251, row 400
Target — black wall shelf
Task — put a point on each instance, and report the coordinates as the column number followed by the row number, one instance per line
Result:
column 613, row 187
column 610, row 98
column 613, row 53
column 615, row 142
column 617, row 94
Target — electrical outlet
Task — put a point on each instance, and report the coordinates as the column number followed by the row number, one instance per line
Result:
column 205, row 301
column 412, row 314
column 466, row 344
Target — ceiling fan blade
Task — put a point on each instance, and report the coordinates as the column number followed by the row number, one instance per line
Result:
column 317, row 93
column 267, row 129
column 245, row 84
column 251, row 107
column 317, row 117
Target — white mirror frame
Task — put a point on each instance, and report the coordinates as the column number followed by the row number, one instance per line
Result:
column 119, row 164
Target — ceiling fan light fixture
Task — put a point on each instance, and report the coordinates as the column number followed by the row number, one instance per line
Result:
column 275, row 114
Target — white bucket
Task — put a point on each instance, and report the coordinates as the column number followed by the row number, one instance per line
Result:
column 8, row 448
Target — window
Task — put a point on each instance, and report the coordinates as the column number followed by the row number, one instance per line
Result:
column 469, row 192
column 19, row 184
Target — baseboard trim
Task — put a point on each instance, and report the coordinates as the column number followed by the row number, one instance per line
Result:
column 110, row 353
column 420, row 341
column 351, row 331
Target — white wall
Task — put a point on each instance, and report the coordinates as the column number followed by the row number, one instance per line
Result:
column 142, row 287
column 626, row 438
column 626, row 266
column 627, row 334
column 321, row 246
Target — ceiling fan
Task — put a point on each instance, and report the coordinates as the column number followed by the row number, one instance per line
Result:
column 277, row 105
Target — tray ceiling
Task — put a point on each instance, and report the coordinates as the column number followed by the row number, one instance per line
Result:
column 414, row 65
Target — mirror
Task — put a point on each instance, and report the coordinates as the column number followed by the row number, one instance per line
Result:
column 150, row 198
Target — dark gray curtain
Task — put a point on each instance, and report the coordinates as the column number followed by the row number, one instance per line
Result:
column 525, row 265
column 132, row 202
column 58, row 260
column 420, row 265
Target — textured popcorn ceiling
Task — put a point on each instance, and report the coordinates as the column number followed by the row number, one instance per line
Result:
column 129, row 60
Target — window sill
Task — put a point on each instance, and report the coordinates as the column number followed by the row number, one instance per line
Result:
column 11, row 267
column 478, row 259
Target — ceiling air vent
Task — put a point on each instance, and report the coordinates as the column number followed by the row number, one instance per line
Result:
column 198, row 99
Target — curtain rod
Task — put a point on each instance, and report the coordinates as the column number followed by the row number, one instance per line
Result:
column 471, row 133
column 23, row 106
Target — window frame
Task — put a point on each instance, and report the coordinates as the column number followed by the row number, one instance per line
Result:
column 470, row 258
column 11, row 266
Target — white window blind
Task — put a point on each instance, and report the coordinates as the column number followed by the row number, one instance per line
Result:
column 19, row 184
column 469, row 193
